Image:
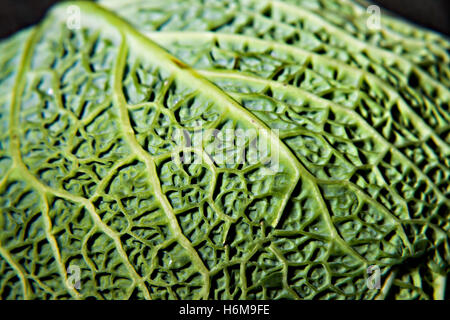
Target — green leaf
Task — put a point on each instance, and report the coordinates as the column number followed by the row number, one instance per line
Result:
column 285, row 23
column 97, row 182
column 121, row 160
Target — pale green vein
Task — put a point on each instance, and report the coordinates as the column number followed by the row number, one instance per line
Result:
column 51, row 239
column 354, row 43
column 166, row 39
column 439, row 283
column 213, row 169
column 22, row 170
column 386, row 286
column 211, row 74
column 101, row 185
column 285, row 263
column 19, row 270
column 188, row 75
column 151, row 167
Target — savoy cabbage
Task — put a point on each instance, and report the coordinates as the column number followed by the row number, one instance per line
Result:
column 117, row 165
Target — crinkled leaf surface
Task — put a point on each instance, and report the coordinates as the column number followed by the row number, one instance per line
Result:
column 241, row 54
column 93, row 172
column 289, row 24
column 95, row 180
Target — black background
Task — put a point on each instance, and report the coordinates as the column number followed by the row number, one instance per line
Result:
column 433, row 14
column 150, row 310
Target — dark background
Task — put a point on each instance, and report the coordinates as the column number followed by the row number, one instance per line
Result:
column 433, row 14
